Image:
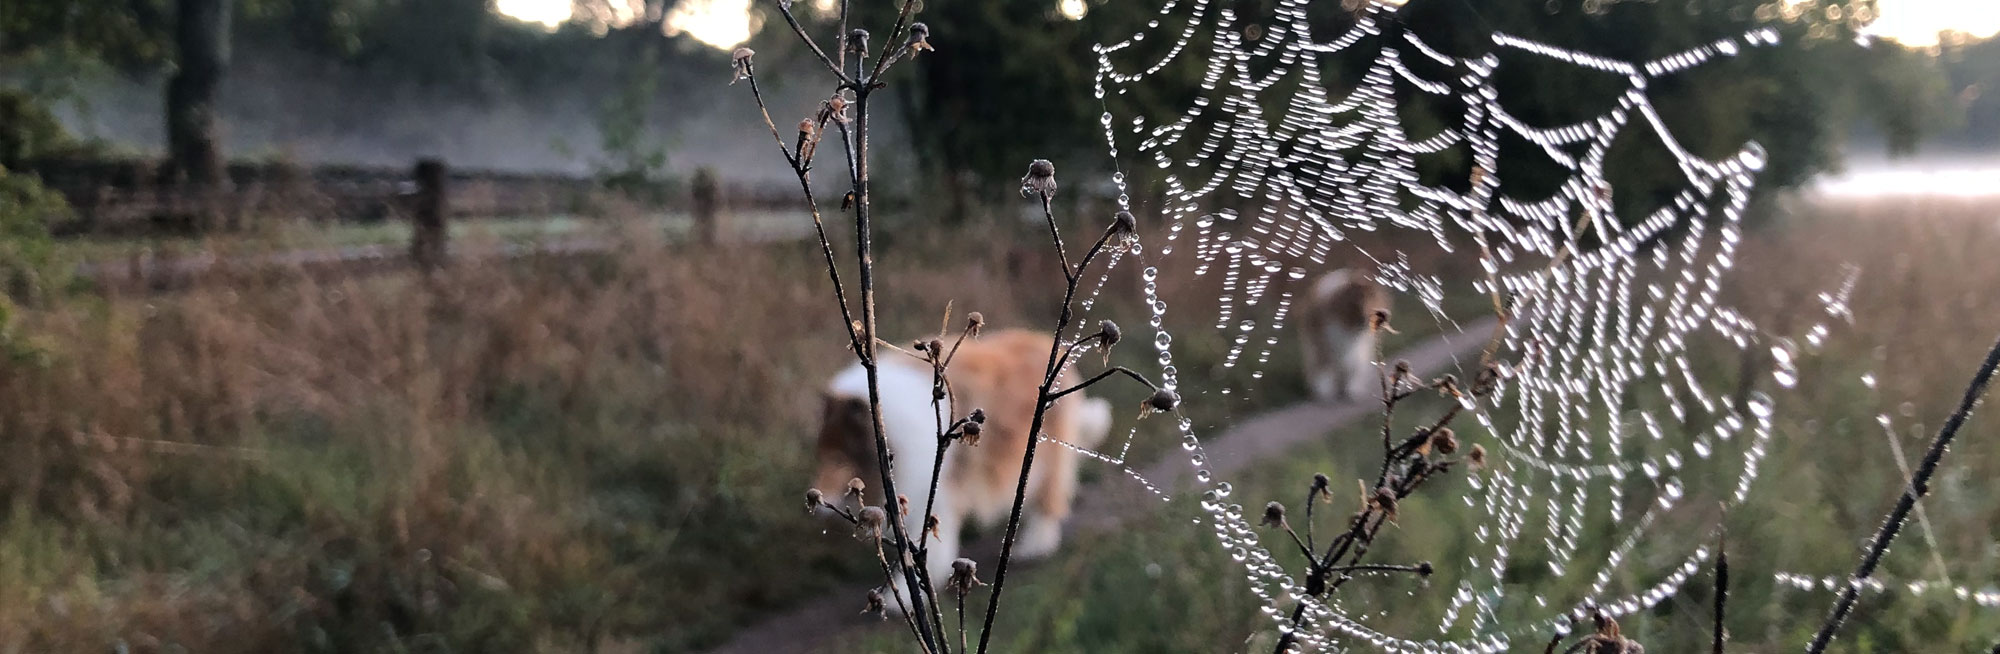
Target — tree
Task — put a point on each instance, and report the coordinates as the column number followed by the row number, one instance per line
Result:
column 201, row 46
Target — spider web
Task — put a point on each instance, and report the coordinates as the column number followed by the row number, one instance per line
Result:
column 1600, row 415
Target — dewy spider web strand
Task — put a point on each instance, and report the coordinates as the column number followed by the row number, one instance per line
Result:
column 1608, row 324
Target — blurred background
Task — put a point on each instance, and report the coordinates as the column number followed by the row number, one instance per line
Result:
column 493, row 325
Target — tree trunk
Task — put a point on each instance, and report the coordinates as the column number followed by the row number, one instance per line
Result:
column 201, row 43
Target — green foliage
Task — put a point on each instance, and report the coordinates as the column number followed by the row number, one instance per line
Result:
column 28, row 130
column 27, row 259
column 125, row 33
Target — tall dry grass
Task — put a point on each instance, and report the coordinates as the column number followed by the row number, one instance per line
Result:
column 546, row 454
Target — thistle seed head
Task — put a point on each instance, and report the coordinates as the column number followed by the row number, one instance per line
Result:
column 964, row 577
column 1274, row 515
column 1384, row 498
column 869, row 523
column 814, row 499
column 854, row 488
column 969, row 433
column 1162, row 401
column 920, row 35
column 1040, row 180
column 875, row 606
column 857, row 42
column 1111, row 334
column 1123, row 223
column 1444, row 441
column 973, row 321
column 739, row 64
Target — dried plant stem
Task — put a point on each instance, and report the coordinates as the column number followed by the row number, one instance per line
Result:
column 1327, row 571
column 1918, row 487
column 1045, row 398
column 908, row 617
column 924, row 618
column 1721, row 596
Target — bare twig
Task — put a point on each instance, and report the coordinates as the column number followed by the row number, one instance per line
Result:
column 1046, row 396
column 1721, row 595
column 785, row 9
column 1918, row 487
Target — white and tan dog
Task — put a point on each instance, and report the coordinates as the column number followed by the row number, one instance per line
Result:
column 998, row 373
column 1337, row 337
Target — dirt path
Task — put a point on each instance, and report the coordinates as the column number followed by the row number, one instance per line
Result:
column 1103, row 506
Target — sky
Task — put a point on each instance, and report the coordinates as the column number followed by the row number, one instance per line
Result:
column 726, row 23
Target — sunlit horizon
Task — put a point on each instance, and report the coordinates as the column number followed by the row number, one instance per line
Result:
column 725, row 24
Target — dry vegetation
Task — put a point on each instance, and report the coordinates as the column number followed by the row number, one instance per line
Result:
column 605, row 451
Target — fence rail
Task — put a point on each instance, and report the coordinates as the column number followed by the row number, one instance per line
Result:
column 139, row 196
column 132, row 197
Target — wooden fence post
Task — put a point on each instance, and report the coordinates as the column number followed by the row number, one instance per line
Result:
column 706, row 205
column 428, row 233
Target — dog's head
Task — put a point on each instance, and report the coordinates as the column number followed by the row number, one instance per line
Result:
column 846, row 448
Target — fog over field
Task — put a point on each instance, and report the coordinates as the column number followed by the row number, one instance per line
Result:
column 294, row 107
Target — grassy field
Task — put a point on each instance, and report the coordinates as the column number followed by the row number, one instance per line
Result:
column 1926, row 311
column 604, row 453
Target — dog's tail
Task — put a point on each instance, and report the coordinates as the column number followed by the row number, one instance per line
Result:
column 1090, row 421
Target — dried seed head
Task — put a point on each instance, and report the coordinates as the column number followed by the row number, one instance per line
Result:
column 936, row 347
column 978, row 416
column 920, row 35
column 814, row 500
column 973, row 321
column 964, row 576
column 1040, row 180
column 1162, row 401
column 1123, row 223
column 903, row 505
column 1379, row 320
column 868, row 524
column 1444, row 441
column 739, row 64
column 854, row 487
column 931, row 526
column 1477, row 457
column 835, row 109
column 875, row 606
column 1274, row 515
column 969, row 433
column 1321, row 486
column 1402, row 366
column 1384, row 498
column 857, row 42
column 1425, row 569
column 1111, row 334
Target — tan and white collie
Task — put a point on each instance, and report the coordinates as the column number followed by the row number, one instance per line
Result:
column 1336, row 335
column 998, row 373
